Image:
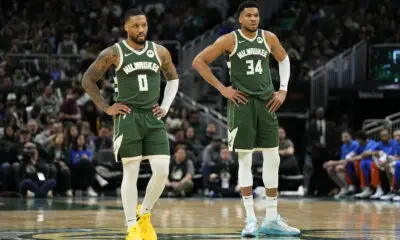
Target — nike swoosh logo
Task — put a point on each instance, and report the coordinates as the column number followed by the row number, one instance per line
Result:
column 127, row 54
column 241, row 41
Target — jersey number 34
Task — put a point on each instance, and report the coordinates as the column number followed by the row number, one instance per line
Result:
column 251, row 68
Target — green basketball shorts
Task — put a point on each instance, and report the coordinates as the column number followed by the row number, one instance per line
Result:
column 251, row 126
column 139, row 134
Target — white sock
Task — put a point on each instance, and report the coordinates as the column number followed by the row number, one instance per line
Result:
column 248, row 203
column 272, row 208
column 342, row 178
column 352, row 188
column 155, row 187
column 129, row 194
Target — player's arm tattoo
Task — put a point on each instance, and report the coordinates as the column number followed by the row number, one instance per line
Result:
column 167, row 66
column 95, row 72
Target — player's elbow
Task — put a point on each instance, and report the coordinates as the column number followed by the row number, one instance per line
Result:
column 197, row 62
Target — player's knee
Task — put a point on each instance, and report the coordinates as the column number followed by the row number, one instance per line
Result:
column 271, row 168
column 271, row 159
column 245, row 174
column 160, row 166
column 339, row 168
column 245, row 160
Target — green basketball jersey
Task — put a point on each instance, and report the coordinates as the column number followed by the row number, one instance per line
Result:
column 137, row 78
column 249, row 65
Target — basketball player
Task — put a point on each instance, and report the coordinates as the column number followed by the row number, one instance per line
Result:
column 253, row 125
column 138, row 131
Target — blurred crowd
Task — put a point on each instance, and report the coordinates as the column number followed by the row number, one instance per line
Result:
column 313, row 33
column 86, row 27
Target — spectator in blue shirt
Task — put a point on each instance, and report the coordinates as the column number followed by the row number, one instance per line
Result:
column 366, row 145
column 396, row 179
column 82, row 168
column 336, row 169
column 385, row 149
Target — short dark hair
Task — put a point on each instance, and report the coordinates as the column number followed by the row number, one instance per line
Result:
column 248, row 4
column 133, row 12
column 361, row 135
column 348, row 131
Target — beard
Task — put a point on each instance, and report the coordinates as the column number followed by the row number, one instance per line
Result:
column 137, row 41
column 251, row 30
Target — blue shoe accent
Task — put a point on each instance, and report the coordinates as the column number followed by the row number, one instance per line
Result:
column 278, row 227
column 251, row 228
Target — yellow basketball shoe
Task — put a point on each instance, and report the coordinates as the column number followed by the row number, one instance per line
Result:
column 146, row 228
column 134, row 233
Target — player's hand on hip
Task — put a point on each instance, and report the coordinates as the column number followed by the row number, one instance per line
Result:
column 118, row 108
column 236, row 96
column 274, row 104
column 159, row 112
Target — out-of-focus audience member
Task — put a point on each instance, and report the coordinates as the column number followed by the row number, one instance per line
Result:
column 336, row 169
column 83, row 170
column 223, row 175
column 384, row 150
column 288, row 164
column 34, row 174
column 181, row 171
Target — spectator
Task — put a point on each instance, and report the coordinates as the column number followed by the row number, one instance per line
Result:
column 365, row 164
column 104, row 140
column 32, row 127
column 69, row 110
column 68, row 45
column 336, row 169
column 194, row 121
column 385, row 148
column 288, row 164
column 59, row 157
column 49, row 100
column 223, row 175
column 181, row 171
column 396, row 179
column 90, row 114
column 82, row 168
column 71, row 133
column 211, row 132
column 35, row 174
column 320, row 142
column 90, row 138
column 45, row 137
column 56, row 72
column 193, row 141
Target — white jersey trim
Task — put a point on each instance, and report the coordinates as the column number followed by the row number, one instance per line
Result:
column 248, row 39
column 121, row 57
column 135, row 51
column 236, row 45
column 156, row 53
column 265, row 41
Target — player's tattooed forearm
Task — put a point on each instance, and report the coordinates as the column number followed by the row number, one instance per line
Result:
column 96, row 71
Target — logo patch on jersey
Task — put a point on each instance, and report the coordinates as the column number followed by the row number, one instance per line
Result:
column 150, row 53
column 127, row 54
column 259, row 40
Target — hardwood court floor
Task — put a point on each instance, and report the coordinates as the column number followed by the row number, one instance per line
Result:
column 194, row 219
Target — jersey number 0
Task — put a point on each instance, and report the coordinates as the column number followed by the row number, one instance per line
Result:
column 143, row 85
